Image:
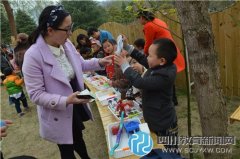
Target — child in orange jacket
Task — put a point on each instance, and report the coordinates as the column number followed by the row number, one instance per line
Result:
column 13, row 86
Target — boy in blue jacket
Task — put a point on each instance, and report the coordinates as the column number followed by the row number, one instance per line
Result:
column 100, row 35
column 156, row 85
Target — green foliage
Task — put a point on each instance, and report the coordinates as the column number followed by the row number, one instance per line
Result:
column 85, row 13
column 119, row 14
column 216, row 6
column 24, row 23
column 5, row 28
column 32, row 8
column 151, row 6
column 114, row 14
column 126, row 15
column 237, row 143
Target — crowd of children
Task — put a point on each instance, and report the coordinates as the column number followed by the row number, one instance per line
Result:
column 151, row 77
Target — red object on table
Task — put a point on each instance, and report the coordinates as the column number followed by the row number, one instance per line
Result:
column 115, row 130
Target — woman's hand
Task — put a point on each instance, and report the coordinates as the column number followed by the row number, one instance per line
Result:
column 120, row 59
column 73, row 99
column 106, row 61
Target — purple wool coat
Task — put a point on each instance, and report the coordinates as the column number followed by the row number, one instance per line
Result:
column 49, row 88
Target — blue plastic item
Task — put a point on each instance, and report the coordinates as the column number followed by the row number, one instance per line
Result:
column 131, row 126
column 2, row 123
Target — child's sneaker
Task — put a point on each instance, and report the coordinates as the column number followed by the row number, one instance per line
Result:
column 27, row 109
column 21, row 114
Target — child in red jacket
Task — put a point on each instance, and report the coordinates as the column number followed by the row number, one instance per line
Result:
column 114, row 73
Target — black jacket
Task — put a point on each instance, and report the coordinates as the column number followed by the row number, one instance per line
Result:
column 5, row 63
column 157, row 91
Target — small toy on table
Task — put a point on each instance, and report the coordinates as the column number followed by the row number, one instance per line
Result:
column 115, row 130
column 131, row 127
column 120, row 130
column 123, row 106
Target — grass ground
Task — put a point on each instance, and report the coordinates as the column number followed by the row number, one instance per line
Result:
column 23, row 136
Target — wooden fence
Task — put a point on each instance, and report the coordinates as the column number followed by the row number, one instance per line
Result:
column 226, row 29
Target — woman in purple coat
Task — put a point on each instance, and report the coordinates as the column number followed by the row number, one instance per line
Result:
column 53, row 72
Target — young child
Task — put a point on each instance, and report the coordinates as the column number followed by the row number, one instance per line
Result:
column 156, row 85
column 100, row 35
column 98, row 53
column 86, row 52
column 139, row 44
column 13, row 85
column 97, row 49
column 114, row 72
column 84, row 46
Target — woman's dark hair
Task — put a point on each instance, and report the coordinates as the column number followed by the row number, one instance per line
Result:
column 80, row 37
column 22, row 42
column 21, row 48
column 149, row 16
column 166, row 49
column 51, row 16
column 91, row 31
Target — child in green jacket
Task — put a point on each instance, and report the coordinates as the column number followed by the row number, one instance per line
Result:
column 13, row 86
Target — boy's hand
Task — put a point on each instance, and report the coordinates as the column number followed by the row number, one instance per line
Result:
column 125, row 40
column 120, row 59
column 124, row 53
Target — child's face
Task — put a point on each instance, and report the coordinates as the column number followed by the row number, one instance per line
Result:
column 153, row 60
column 95, row 47
column 137, row 66
column 82, row 41
column 96, row 35
column 108, row 47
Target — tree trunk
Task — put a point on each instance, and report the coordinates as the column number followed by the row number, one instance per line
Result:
column 197, row 32
column 11, row 20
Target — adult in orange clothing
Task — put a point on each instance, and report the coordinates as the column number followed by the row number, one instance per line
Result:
column 155, row 28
